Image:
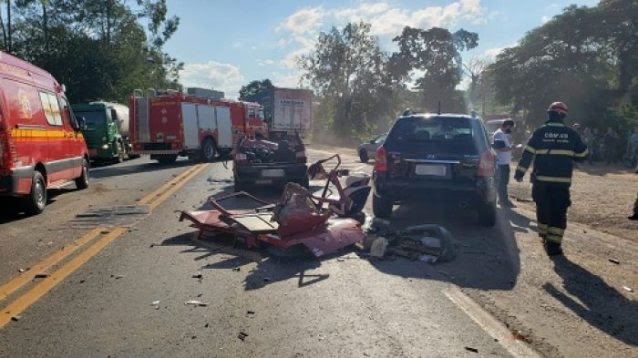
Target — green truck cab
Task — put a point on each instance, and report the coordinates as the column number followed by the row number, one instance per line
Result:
column 106, row 130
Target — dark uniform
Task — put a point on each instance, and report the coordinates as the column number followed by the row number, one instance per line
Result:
column 553, row 149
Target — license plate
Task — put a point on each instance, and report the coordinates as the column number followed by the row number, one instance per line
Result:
column 429, row 169
column 272, row 173
column 263, row 182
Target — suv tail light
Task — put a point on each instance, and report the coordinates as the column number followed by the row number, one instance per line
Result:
column 487, row 165
column 240, row 158
column 381, row 160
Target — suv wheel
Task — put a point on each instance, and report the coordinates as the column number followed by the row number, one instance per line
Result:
column 381, row 208
column 36, row 201
column 363, row 155
column 487, row 214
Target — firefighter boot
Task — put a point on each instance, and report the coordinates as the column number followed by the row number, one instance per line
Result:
column 552, row 248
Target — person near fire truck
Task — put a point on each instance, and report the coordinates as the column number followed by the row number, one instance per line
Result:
column 552, row 149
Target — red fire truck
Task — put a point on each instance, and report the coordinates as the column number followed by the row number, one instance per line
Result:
column 171, row 124
column 41, row 146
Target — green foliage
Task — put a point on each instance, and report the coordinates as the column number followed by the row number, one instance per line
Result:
column 98, row 48
column 586, row 57
column 260, row 92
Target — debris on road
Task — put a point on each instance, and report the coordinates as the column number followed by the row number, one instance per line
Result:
column 517, row 335
column 614, row 261
column 378, row 247
column 198, row 275
column 155, row 304
column 427, row 243
column 628, row 289
column 41, row 275
column 196, row 303
column 242, row 335
column 471, row 349
column 117, row 277
column 250, row 313
column 237, row 269
column 16, row 318
column 21, row 270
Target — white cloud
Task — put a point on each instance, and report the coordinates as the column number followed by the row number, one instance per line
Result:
column 303, row 21
column 220, row 76
column 266, row 62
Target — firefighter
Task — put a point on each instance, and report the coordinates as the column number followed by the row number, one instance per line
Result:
column 552, row 148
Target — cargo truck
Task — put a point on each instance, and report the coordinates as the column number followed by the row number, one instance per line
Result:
column 106, row 131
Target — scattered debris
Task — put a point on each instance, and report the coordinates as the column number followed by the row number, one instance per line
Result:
column 428, row 258
column 16, row 318
column 82, row 281
column 41, row 275
column 206, row 325
column 200, row 295
column 250, row 312
column 517, row 335
column 213, row 180
column 628, row 289
column 471, row 349
column 193, row 337
column 196, row 303
column 614, row 261
column 266, row 279
column 378, row 247
column 117, row 277
column 155, row 304
column 198, row 275
column 21, row 270
column 242, row 335
column 236, row 269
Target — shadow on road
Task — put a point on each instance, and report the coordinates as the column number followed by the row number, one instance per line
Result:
column 601, row 169
column 11, row 208
column 601, row 305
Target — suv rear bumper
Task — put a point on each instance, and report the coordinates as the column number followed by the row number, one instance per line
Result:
column 252, row 174
column 481, row 191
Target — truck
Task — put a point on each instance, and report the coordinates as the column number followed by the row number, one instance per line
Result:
column 41, row 143
column 106, row 131
column 168, row 124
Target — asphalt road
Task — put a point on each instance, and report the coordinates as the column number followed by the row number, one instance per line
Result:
column 129, row 299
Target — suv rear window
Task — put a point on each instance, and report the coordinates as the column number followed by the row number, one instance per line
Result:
column 454, row 135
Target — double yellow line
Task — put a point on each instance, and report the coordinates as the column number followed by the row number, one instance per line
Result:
column 106, row 236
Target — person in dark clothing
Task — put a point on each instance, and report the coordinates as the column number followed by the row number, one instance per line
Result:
column 553, row 148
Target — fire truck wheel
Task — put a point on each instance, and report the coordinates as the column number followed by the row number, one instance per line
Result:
column 82, row 182
column 37, row 199
column 208, row 150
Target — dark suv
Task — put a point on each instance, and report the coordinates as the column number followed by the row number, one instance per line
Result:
column 436, row 156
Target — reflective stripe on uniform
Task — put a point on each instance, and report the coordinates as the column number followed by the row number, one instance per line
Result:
column 542, row 228
column 553, row 179
column 554, row 124
column 556, row 231
column 554, row 238
column 530, row 149
column 582, row 154
column 521, row 169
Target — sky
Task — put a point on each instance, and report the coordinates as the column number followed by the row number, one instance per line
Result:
column 225, row 44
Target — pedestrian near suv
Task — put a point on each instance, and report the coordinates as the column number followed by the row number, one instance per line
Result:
column 553, row 148
column 503, row 146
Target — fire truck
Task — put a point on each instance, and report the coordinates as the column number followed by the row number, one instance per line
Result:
column 170, row 123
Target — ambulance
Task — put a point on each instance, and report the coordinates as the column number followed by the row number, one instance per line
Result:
column 41, row 145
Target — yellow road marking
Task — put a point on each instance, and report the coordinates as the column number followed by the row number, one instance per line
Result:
column 23, row 302
column 175, row 187
column 155, row 193
column 26, row 277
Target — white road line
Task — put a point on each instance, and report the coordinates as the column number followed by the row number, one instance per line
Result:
column 490, row 324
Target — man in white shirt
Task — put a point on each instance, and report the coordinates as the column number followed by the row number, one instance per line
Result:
column 503, row 146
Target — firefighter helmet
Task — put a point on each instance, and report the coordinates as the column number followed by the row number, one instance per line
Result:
column 559, row 107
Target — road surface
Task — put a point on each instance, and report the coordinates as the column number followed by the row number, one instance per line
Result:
column 82, row 280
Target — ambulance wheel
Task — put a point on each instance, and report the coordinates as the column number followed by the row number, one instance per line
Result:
column 209, row 153
column 37, row 200
column 83, row 181
column 167, row 158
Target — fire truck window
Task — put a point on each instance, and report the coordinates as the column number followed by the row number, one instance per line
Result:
column 51, row 108
column 251, row 113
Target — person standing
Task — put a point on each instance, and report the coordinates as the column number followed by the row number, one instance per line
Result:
column 503, row 147
column 553, row 148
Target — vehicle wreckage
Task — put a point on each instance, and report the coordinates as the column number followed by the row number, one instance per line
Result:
column 322, row 222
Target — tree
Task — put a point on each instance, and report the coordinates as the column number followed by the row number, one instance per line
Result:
column 260, row 92
column 98, row 48
column 437, row 54
column 350, row 74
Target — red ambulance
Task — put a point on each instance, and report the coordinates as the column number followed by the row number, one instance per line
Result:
column 41, row 146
